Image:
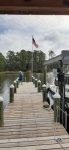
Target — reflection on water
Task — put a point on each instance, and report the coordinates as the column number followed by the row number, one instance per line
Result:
column 7, row 79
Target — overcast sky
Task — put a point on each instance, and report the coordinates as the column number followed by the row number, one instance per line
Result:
column 49, row 32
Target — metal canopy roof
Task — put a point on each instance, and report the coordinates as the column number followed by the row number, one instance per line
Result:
column 53, row 60
column 64, row 56
column 48, row 7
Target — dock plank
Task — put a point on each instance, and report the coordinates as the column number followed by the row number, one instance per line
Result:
column 28, row 126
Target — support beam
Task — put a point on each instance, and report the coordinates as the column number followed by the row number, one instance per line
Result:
column 40, row 7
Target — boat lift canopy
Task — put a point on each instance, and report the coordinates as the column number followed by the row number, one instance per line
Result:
column 64, row 57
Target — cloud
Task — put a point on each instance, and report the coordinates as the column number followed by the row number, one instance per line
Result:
column 50, row 32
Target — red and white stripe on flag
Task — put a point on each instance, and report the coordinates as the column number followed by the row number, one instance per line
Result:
column 34, row 43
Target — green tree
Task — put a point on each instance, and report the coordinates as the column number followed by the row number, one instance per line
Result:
column 41, row 60
column 10, row 60
column 29, row 60
column 51, row 54
column 23, row 60
column 38, row 59
column 2, row 62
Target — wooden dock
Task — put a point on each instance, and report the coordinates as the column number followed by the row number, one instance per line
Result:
column 28, row 126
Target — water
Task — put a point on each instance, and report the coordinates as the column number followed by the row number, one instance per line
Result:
column 7, row 79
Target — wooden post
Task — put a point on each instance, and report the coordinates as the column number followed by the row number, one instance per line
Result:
column 45, row 74
column 1, row 112
column 35, row 82
column 44, row 92
column 24, row 79
column 39, row 86
column 14, row 86
column 32, row 78
column 11, row 93
column 17, row 82
column 56, row 107
column 62, row 94
column 66, row 120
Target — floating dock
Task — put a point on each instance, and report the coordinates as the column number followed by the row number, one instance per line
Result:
column 28, row 126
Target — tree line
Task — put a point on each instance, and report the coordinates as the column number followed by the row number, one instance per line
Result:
column 22, row 61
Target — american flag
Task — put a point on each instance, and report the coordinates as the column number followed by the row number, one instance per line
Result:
column 34, row 43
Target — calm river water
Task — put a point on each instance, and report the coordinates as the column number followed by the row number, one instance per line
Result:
column 7, row 79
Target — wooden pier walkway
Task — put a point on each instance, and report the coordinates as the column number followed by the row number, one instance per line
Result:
column 28, row 126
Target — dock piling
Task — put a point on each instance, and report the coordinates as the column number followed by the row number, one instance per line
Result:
column 1, row 112
column 39, row 86
column 17, row 81
column 35, row 82
column 14, row 86
column 56, row 107
column 11, row 93
column 32, row 78
column 44, row 92
column 66, row 120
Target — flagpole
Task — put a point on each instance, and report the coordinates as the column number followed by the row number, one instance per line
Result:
column 32, row 55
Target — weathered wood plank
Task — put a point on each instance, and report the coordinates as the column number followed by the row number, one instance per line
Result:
column 27, row 125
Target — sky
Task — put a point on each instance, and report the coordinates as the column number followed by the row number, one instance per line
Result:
column 51, row 32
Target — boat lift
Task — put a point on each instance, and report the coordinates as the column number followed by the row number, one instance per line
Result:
column 58, row 63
